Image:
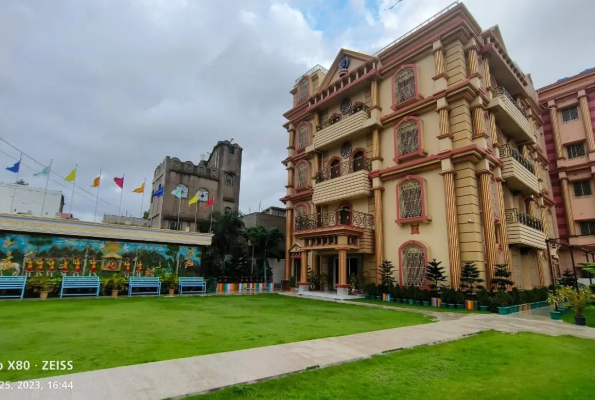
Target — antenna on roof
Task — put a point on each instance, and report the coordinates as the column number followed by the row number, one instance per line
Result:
column 231, row 140
column 202, row 157
column 391, row 7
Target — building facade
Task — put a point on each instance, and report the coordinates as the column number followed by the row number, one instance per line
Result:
column 430, row 149
column 216, row 178
column 126, row 220
column 23, row 199
column 569, row 116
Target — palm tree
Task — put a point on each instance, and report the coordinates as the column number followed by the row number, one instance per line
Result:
column 227, row 229
column 266, row 243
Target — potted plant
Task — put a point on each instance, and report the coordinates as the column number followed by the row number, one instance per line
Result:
column 425, row 297
column 483, row 298
column 555, row 300
column 503, row 301
column 170, row 281
column 321, row 279
column 116, row 283
column 444, row 297
column 412, row 294
column 43, row 284
column 313, row 279
column 352, row 284
column 577, row 300
column 292, row 283
column 460, row 300
column 396, row 295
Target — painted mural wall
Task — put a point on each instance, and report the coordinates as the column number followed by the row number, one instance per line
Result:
column 31, row 255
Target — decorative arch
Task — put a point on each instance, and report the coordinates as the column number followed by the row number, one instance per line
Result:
column 344, row 214
column 334, row 167
column 355, row 163
column 303, row 133
column 413, row 258
column 302, row 175
column 404, row 85
column 407, row 139
column 411, row 200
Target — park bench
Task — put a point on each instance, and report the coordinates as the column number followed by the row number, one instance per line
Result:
column 197, row 283
column 148, row 282
column 13, row 283
column 80, row 282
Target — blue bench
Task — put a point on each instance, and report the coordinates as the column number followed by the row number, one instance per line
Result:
column 145, row 282
column 80, row 282
column 13, row 283
column 197, row 283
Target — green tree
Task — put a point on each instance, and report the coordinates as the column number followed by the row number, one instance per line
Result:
column 435, row 274
column 146, row 215
column 568, row 279
column 470, row 279
column 501, row 277
column 227, row 229
column 267, row 244
column 387, row 280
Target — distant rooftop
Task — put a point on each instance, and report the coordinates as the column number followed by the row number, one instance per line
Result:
column 580, row 73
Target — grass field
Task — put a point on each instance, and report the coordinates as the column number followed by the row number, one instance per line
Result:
column 401, row 305
column 588, row 313
column 106, row 333
column 490, row 365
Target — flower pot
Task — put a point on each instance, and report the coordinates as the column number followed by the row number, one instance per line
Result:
column 452, row 306
column 411, row 301
column 367, row 296
column 443, row 305
column 378, row 297
column 171, row 291
column 460, row 306
column 503, row 310
column 555, row 315
column 580, row 320
column 426, row 303
column 394, row 300
column 417, row 303
column 484, row 308
column 404, row 301
column 43, row 295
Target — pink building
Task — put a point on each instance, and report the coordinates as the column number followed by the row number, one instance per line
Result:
column 569, row 116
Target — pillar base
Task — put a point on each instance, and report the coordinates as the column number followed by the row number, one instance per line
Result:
column 343, row 290
column 303, row 287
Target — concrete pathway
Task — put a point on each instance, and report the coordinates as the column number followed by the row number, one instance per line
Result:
column 194, row 375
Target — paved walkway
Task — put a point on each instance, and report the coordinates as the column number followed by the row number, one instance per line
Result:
column 193, row 375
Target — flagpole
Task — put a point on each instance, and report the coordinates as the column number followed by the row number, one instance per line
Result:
column 195, row 215
column 179, row 205
column 121, row 193
column 45, row 192
column 97, row 198
column 143, row 199
column 14, row 193
column 76, row 166
column 211, row 224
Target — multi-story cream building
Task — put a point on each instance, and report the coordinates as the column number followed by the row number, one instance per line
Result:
column 431, row 148
column 569, row 114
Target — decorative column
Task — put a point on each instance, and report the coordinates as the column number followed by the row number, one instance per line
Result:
column 291, row 146
column 376, row 151
column 567, row 206
column 479, row 129
column 378, row 228
column 288, row 240
column 487, row 76
column 303, row 283
column 444, row 122
column 473, row 65
column 539, row 255
column 502, row 226
column 375, row 93
column 485, row 180
column 492, row 119
column 316, row 121
column 439, row 68
column 342, row 286
column 586, row 117
column 452, row 224
column 556, row 129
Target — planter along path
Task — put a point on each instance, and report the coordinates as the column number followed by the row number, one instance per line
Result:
column 194, row 375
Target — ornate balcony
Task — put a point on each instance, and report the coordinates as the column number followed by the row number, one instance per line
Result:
column 524, row 230
column 341, row 228
column 344, row 181
column 510, row 117
column 340, row 127
column 518, row 172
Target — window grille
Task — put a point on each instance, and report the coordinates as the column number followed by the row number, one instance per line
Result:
column 407, row 138
column 582, row 188
column 575, row 150
column 404, row 85
column 301, row 175
column 410, row 199
column 570, row 114
column 587, row 227
column 413, row 264
column 302, row 137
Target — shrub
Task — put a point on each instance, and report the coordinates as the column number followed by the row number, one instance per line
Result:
column 292, row 282
column 435, row 274
column 370, row 289
column 568, row 279
column 483, row 297
column 501, row 277
column 470, row 279
column 386, row 274
column 503, row 299
column 516, row 296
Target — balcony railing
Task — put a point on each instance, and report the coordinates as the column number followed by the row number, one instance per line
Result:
column 347, row 167
column 509, row 151
column 338, row 117
column 502, row 91
column 515, row 216
column 344, row 217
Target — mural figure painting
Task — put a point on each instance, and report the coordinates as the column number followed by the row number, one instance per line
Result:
column 37, row 255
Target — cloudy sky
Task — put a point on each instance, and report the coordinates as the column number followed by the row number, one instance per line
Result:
column 119, row 84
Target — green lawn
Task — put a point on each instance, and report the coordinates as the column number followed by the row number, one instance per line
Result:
column 588, row 313
column 490, row 365
column 401, row 305
column 106, row 333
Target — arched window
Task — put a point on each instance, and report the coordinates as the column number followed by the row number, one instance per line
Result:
column 359, row 161
column 183, row 190
column 335, row 168
column 301, row 175
column 301, row 140
column 303, row 90
column 410, row 200
column 413, row 264
column 404, row 85
column 408, row 138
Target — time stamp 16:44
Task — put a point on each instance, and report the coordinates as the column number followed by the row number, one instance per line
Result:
column 36, row 384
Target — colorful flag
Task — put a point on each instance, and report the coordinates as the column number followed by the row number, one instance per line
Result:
column 158, row 192
column 177, row 192
column 15, row 167
column 44, row 172
column 140, row 189
column 71, row 176
column 194, row 199
column 119, row 182
column 96, row 182
column 210, row 202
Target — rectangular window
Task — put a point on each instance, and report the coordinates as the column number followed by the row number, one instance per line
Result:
column 582, row 188
column 587, row 227
column 575, row 150
column 228, row 179
column 232, row 150
column 570, row 114
column 173, row 225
